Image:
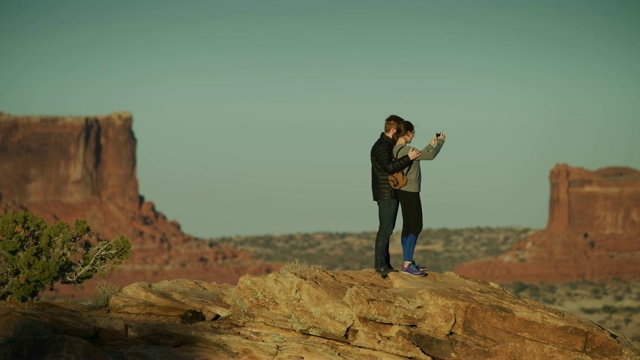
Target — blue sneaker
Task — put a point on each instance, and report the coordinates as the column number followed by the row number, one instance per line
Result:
column 412, row 270
column 420, row 267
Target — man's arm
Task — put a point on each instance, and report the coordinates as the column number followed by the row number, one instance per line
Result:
column 384, row 159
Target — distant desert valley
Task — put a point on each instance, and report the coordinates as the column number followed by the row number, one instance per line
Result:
column 577, row 279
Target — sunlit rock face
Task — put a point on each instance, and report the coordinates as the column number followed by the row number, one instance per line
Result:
column 603, row 201
column 593, row 232
column 71, row 160
column 312, row 314
column 84, row 167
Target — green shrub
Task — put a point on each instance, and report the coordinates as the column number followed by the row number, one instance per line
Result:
column 34, row 255
column 519, row 287
column 589, row 311
column 549, row 288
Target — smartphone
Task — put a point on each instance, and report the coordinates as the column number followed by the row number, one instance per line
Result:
column 438, row 135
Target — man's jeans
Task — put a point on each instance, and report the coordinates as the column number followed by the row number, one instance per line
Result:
column 387, row 213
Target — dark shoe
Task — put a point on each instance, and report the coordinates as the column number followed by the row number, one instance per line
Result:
column 384, row 272
column 420, row 267
column 412, row 270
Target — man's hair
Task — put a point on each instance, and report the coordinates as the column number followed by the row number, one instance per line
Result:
column 392, row 122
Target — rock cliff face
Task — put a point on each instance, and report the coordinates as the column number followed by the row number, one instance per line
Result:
column 309, row 314
column 69, row 160
column 67, row 168
column 593, row 232
column 604, row 201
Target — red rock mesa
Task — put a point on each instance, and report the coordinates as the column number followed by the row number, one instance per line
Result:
column 593, row 232
column 67, row 168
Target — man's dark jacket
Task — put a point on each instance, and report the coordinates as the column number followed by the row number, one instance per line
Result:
column 382, row 165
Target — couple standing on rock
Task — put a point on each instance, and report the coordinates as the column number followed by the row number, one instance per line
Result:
column 392, row 143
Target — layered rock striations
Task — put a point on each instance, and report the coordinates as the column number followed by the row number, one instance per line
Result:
column 603, row 201
column 67, row 168
column 70, row 160
column 310, row 314
column 593, row 232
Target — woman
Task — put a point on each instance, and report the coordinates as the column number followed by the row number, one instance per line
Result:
column 409, row 195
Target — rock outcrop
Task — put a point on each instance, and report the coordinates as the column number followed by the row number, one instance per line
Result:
column 593, row 232
column 67, row 168
column 310, row 314
column 603, row 201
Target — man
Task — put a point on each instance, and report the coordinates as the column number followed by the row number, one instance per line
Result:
column 382, row 164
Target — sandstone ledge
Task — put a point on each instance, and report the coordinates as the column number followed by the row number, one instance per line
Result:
column 315, row 314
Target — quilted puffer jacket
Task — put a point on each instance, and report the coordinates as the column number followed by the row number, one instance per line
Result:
column 382, row 165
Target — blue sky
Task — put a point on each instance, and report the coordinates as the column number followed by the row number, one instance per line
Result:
column 257, row 117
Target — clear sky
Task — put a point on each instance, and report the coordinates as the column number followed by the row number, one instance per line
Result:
column 257, row 117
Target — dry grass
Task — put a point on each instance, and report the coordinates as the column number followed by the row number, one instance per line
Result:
column 103, row 294
column 297, row 265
